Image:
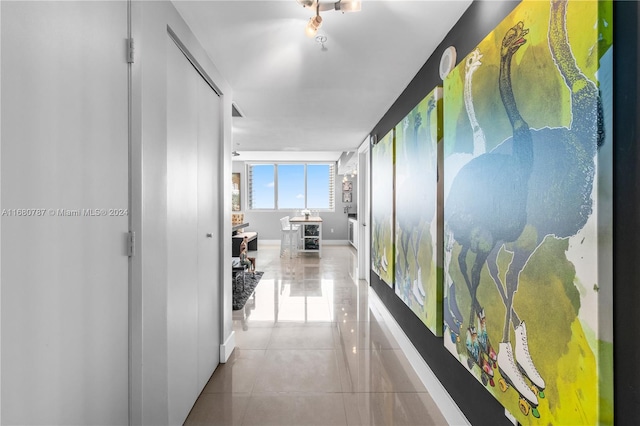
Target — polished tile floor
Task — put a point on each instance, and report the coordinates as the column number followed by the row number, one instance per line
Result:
column 310, row 351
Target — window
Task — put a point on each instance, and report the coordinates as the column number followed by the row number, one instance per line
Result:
column 261, row 183
column 291, row 186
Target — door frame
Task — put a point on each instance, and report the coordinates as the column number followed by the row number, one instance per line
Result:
column 364, row 210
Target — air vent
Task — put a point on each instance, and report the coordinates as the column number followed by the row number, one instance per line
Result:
column 235, row 111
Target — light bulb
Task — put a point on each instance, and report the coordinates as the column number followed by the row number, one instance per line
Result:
column 312, row 27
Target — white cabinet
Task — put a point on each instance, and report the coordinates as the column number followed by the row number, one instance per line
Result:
column 310, row 233
column 353, row 232
column 311, row 237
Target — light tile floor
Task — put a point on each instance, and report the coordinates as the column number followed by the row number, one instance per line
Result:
column 310, row 351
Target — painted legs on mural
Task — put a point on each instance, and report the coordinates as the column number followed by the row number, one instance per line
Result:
column 410, row 286
column 474, row 281
column 403, row 274
column 453, row 305
column 417, row 288
column 492, row 266
column 523, row 357
column 384, row 264
column 375, row 252
column 402, row 270
column 512, row 370
column 479, row 350
column 451, row 314
column 449, row 320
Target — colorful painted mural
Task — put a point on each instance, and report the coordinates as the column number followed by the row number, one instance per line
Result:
column 527, row 176
column 417, row 283
column 382, row 208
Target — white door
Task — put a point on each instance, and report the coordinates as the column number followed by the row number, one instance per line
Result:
column 209, row 243
column 193, row 310
column 64, row 198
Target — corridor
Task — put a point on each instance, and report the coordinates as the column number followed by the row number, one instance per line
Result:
column 312, row 351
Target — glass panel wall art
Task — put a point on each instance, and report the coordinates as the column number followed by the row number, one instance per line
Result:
column 528, row 232
column 418, row 282
column 382, row 247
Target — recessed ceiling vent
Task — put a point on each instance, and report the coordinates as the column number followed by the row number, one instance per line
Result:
column 235, row 111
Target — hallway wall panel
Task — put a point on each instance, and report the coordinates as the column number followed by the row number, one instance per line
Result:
column 64, row 268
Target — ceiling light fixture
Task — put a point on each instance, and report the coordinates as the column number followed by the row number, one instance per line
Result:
column 313, row 25
column 349, row 6
column 316, row 22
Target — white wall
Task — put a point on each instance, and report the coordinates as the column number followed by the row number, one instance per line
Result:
column 64, row 278
column 152, row 400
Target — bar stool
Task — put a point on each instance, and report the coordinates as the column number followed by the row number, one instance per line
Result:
column 289, row 235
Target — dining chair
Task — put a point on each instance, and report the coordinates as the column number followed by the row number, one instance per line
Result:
column 289, row 236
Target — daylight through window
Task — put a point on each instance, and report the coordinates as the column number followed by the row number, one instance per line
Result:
column 291, row 186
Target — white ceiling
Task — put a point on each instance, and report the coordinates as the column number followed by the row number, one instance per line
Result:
column 297, row 97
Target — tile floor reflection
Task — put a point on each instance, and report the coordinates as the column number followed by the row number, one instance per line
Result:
column 311, row 352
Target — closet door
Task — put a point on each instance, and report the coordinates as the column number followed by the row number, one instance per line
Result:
column 64, row 199
column 209, row 248
column 193, row 311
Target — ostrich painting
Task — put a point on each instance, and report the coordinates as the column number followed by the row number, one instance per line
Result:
column 406, row 220
column 529, row 297
column 416, row 176
column 561, row 183
column 478, row 223
column 382, row 208
column 453, row 163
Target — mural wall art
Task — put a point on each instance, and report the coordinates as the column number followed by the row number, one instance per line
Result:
column 527, row 176
column 417, row 278
column 382, row 208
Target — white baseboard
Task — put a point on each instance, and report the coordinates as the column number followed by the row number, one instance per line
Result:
column 335, row 242
column 441, row 397
column 227, row 347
